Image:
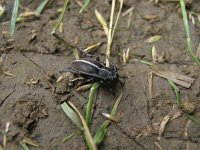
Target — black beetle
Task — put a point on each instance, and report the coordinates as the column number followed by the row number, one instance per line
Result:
column 96, row 71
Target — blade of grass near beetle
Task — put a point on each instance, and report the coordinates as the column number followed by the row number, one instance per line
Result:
column 101, row 132
column 40, row 8
column 86, row 3
column 14, row 16
column 71, row 114
column 60, row 17
column 53, row 32
column 109, row 39
column 69, row 136
column 90, row 102
column 188, row 35
column 194, row 119
column 177, row 92
column 88, row 136
column 102, row 21
column 24, row 146
column 117, row 18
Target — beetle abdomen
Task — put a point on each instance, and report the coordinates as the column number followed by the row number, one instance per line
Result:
column 84, row 66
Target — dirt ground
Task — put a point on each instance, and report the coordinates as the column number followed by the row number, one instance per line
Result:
column 34, row 111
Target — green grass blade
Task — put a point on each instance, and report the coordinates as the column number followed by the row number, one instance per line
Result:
column 86, row 131
column 142, row 61
column 90, row 102
column 24, row 146
column 194, row 119
column 14, row 17
column 177, row 92
column 71, row 114
column 101, row 132
column 68, row 137
column 40, row 8
column 86, row 3
column 2, row 133
column 114, row 109
column 187, row 31
column 60, row 17
column 53, row 32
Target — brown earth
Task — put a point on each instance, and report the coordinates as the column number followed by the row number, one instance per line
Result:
column 34, row 111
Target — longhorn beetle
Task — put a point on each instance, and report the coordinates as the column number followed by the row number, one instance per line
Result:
column 96, row 71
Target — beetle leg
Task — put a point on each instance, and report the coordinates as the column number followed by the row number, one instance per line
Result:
column 121, row 83
column 68, row 70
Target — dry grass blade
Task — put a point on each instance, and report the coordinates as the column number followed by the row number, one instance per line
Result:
column 25, row 15
column 198, row 52
column 111, row 29
column 154, row 54
column 130, row 13
column 126, row 55
column 5, row 134
column 86, row 130
column 84, row 87
column 9, row 74
column 181, row 80
column 150, row 83
column 61, row 27
column 91, row 47
column 102, row 21
column 163, row 125
column 110, row 117
column 31, row 142
column 158, row 146
column 153, row 39
column 117, row 19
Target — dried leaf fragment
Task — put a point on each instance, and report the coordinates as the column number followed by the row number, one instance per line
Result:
column 91, row 47
column 102, row 21
column 153, row 39
column 110, row 117
column 126, row 55
column 150, row 17
column 163, row 125
column 179, row 79
column 84, row 87
column 31, row 142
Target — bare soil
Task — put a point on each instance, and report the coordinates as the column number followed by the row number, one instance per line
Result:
column 34, row 111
